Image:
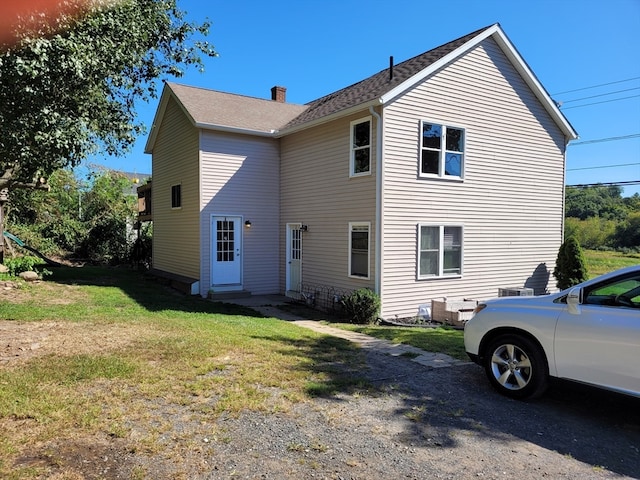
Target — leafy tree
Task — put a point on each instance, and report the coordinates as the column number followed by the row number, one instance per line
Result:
column 628, row 233
column 69, row 85
column 91, row 218
column 603, row 202
column 69, row 90
column 570, row 266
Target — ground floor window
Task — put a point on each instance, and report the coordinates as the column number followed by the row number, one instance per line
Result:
column 439, row 250
column 359, row 249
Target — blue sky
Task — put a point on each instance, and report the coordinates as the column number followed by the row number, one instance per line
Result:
column 316, row 47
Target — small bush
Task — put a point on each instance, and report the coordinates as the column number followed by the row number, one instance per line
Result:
column 17, row 265
column 361, row 306
column 570, row 266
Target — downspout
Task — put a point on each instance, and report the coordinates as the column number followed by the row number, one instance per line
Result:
column 379, row 227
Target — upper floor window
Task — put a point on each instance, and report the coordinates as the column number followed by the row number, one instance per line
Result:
column 359, row 249
column 176, row 196
column 441, row 151
column 360, row 152
column 439, row 251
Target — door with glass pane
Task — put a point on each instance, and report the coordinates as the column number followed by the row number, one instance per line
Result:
column 226, row 251
column 294, row 260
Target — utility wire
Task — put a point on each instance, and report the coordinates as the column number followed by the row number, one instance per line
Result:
column 602, row 166
column 609, row 139
column 606, row 101
column 605, row 184
column 596, row 86
column 599, row 95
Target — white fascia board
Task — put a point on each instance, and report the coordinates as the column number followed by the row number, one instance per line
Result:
column 228, row 129
column 518, row 62
column 529, row 77
column 167, row 93
column 329, row 118
column 434, row 67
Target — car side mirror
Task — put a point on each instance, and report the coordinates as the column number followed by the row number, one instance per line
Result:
column 574, row 299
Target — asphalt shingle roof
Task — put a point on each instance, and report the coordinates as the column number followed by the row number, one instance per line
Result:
column 378, row 84
column 214, row 108
column 220, row 109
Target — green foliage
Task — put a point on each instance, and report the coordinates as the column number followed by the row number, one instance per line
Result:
column 599, row 217
column 18, row 265
column 627, row 233
column 603, row 202
column 91, row 218
column 593, row 233
column 68, row 93
column 570, row 266
column 361, row 306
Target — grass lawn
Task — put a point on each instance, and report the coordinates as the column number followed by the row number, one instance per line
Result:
column 93, row 351
column 96, row 351
column 600, row 262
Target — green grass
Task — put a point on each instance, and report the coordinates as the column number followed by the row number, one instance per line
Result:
column 438, row 339
column 127, row 345
column 600, row 262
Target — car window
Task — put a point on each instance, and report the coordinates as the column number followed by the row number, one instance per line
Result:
column 617, row 292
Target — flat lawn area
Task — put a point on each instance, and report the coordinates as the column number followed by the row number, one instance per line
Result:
column 432, row 339
column 98, row 351
column 600, row 262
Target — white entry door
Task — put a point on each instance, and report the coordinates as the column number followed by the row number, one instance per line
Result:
column 226, row 252
column 294, row 260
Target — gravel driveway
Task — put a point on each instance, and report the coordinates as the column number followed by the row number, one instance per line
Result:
column 422, row 422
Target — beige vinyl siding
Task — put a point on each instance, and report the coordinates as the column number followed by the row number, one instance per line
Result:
column 240, row 176
column 510, row 203
column 317, row 191
column 175, row 161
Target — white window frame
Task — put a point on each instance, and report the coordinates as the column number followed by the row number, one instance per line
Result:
column 441, row 250
column 353, row 149
column 180, row 196
column 352, row 227
column 443, row 151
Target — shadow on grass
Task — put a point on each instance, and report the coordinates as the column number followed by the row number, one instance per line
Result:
column 436, row 407
column 145, row 290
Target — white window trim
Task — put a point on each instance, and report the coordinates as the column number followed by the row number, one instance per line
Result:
column 352, row 150
column 441, row 164
column 351, row 227
column 171, row 198
column 441, row 228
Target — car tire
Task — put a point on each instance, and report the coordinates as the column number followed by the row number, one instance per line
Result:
column 516, row 367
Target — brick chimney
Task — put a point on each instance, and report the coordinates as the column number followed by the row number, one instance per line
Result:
column 279, row 94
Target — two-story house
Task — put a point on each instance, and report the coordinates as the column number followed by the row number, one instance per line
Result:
column 440, row 176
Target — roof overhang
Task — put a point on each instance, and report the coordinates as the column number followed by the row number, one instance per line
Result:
column 516, row 59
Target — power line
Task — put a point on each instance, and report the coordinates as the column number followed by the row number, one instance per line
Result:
column 602, row 166
column 606, row 101
column 596, row 86
column 606, row 184
column 609, row 139
column 599, row 95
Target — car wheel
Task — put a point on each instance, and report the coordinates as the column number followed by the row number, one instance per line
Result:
column 516, row 367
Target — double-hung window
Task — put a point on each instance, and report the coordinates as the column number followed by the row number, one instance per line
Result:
column 359, row 249
column 360, row 151
column 176, row 196
column 439, row 251
column 441, row 151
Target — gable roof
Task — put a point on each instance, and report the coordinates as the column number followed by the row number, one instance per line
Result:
column 374, row 87
column 389, row 83
column 215, row 110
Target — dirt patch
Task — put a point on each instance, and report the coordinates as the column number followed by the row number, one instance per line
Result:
column 40, row 292
column 22, row 341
